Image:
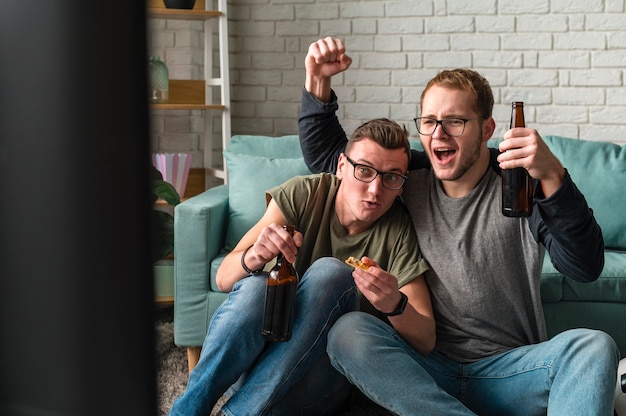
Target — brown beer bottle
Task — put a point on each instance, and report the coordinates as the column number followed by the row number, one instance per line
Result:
column 280, row 299
column 517, row 184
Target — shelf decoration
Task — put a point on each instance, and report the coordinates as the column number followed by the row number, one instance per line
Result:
column 175, row 169
column 159, row 81
column 179, row 4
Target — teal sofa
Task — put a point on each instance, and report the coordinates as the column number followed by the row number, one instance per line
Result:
column 208, row 225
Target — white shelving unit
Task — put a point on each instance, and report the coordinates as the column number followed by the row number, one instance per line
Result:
column 198, row 94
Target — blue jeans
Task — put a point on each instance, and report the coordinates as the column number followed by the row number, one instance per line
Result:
column 572, row 374
column 298, row 369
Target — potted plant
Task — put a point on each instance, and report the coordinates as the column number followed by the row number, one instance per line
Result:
column 162, row 233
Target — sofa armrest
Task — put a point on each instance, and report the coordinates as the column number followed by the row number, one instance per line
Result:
column 199, row 231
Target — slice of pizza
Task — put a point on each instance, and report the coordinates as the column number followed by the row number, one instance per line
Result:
column 354, row 262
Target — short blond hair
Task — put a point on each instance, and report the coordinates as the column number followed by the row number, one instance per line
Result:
column 465, row 80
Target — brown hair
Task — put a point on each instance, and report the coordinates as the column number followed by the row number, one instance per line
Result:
column 466, row 80
column 384, row 132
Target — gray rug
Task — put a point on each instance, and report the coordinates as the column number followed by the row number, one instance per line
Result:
column 172, row 373
column 171, row 365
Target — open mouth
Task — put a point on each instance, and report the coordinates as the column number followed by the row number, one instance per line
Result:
column 444, row 154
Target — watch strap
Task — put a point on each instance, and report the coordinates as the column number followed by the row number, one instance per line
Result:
column 401, row 305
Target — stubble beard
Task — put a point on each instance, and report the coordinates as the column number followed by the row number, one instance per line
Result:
column 471, row 157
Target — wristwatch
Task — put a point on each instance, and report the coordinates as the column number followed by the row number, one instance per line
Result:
column 400, row 308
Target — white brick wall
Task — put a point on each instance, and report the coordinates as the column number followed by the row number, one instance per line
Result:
column 565, row 58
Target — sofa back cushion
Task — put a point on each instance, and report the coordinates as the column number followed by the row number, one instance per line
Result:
column 283, row 147
column 599, row 171
column 255, row 164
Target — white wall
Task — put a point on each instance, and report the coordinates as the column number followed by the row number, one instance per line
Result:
column 566, row 59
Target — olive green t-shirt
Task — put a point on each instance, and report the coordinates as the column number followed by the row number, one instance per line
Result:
column 308, row 203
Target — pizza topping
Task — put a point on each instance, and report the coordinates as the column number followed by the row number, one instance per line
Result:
column 354, row 262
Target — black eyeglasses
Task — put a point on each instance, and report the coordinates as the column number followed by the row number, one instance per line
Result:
column 365, row 173
column 453, row 126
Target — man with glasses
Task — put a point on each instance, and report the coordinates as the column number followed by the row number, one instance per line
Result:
column 355, row 213
column 491, row 356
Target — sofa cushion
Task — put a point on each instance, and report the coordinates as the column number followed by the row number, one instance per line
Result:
column 551, row 284
column 599, row 171
column 283, row 147
column 248, row 178
column 609, row 287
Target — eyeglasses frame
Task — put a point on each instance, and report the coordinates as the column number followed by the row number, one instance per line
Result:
column 440, row 123
column 378, row 173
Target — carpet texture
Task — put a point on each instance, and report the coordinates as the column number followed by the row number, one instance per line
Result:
column 172, row 373
column 171, row 366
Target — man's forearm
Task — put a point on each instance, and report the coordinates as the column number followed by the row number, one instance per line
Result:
column 322, row 138
column 571, row 234
column 319, row 87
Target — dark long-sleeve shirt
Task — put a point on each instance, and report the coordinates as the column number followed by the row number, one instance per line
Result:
column 485, row 268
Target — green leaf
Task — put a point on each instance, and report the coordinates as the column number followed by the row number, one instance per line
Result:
column 165, row 191
column 155, row 174
column 162, row 222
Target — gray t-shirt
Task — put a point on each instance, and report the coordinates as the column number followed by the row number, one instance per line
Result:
column 486, row 299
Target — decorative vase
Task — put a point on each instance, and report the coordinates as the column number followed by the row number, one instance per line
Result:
column 159, row 80
column 179, row 4
column 175, row 169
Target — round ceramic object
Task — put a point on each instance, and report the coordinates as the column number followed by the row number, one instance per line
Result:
column 159, row 80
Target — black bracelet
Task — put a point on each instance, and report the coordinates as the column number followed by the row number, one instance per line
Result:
column 243, row 263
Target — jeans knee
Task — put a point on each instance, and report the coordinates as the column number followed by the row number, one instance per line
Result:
column 330, row 265
column 245, row 300
column 329, row 274
column 603, row 344
column 596, row 340
column 328, row 262
column 597, row 345
column 253, row 284
column 348, row 337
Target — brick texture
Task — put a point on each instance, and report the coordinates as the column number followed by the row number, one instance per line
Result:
column 565, row 58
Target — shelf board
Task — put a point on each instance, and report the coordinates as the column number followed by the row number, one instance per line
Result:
column 218, row 173
column 182, row 14
column 156, row 9
column 164, row 299
column 172, row 106
column 187, row 95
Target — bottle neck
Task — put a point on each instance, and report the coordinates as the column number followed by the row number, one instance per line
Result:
column 517, row 117
column 281, row 261
column 517, row 114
